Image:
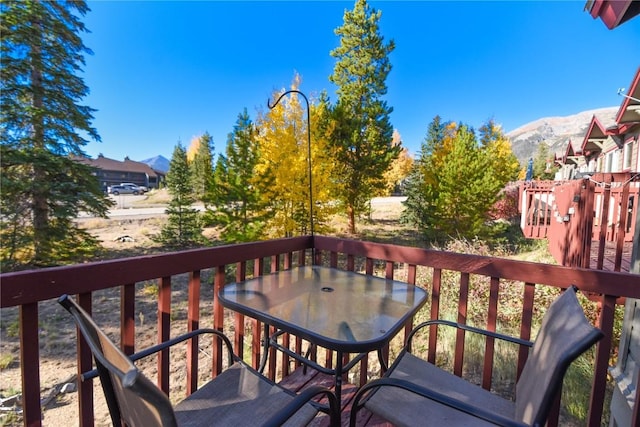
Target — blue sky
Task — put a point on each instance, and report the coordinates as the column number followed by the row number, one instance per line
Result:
column 164, row 71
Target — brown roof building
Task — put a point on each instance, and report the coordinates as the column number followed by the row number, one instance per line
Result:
column 113, row 172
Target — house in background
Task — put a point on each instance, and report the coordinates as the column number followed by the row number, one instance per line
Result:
column 609, row 157
column 607, row 147
column 570, row 162
column 613, row 12
column 113, row 172
column 604, row 163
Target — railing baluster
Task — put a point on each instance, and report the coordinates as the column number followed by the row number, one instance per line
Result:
column 164, row 331
column 492, row 316
column 554, row 412
column 435, row 313
column 29, row 363
column 127, row 318
column 333, row 259
column 85, row 363
column 239, row 331
column 193, row 323
column 350, row 262
column 388, row 271
column 603, row 349
column 622, row 226
column 525, row 325
column 256, row 335
column 364, row 369
column 218, row 319
column 462, row 318
column 286, row 342
column 369, row 266
column 604, row 221
column 411, row 278
column 275, row 266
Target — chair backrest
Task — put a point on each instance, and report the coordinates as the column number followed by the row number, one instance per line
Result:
column 130, row 396
column 565, row 333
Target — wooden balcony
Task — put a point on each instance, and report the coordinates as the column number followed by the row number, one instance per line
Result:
column 209, row 269
column 588, row 222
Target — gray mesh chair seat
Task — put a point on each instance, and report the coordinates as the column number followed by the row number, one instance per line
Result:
column 416, row 392
column 231, row 401
column 239, row 396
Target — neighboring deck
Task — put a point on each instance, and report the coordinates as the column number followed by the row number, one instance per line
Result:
column 588, row 223
column 609, row 257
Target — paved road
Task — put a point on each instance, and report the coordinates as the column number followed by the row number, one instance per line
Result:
column 125, row 206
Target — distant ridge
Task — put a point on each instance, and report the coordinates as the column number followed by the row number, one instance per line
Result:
column 158, row 163
column 556, row 132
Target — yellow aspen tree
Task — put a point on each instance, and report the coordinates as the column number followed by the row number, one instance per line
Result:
column 283, row 165
column 281, row 138
column 193, row 148
column 399, row 169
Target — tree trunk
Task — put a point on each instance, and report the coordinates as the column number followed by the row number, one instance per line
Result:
column 352, row 219
column 40, row 208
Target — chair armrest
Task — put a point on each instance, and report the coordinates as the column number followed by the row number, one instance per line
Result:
column 484, row 332
column 169, row 343
column 300, row 400
column 436, row 396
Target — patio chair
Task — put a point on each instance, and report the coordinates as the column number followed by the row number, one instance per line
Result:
column 415, row 392
column 238, row 396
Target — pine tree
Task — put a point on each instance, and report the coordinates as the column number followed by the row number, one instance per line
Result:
column 543, row 167
column 361, row 142
column 42, row 129
column 457, row 180
column 202, row 167
column 420, row 201
column 235, row 193
column 183, row 223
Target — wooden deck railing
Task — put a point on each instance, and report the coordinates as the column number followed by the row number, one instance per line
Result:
column 579, row 216
column 425, row 268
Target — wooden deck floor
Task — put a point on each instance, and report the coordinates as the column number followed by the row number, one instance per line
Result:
column 299, row 380
column 610, row 256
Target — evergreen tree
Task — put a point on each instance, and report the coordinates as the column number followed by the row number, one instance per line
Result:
column 457, row 180
column 183, row 223
column 420, row 202
column 235, row 193
column 543, row 167
column 463, row 186
column 202, row 167
column 361, row 142
column 42, row 132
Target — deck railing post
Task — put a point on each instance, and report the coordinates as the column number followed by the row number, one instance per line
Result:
column 164, row 331
column 603, row 350
column 85, row 363
column 30, row 361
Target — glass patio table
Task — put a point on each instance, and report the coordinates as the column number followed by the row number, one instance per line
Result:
column 339, row 310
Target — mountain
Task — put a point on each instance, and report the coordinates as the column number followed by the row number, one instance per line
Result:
column 556, row 132
column 158, row 163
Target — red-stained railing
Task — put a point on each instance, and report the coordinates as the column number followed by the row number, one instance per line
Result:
column 425, row 268
column 578, row 217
